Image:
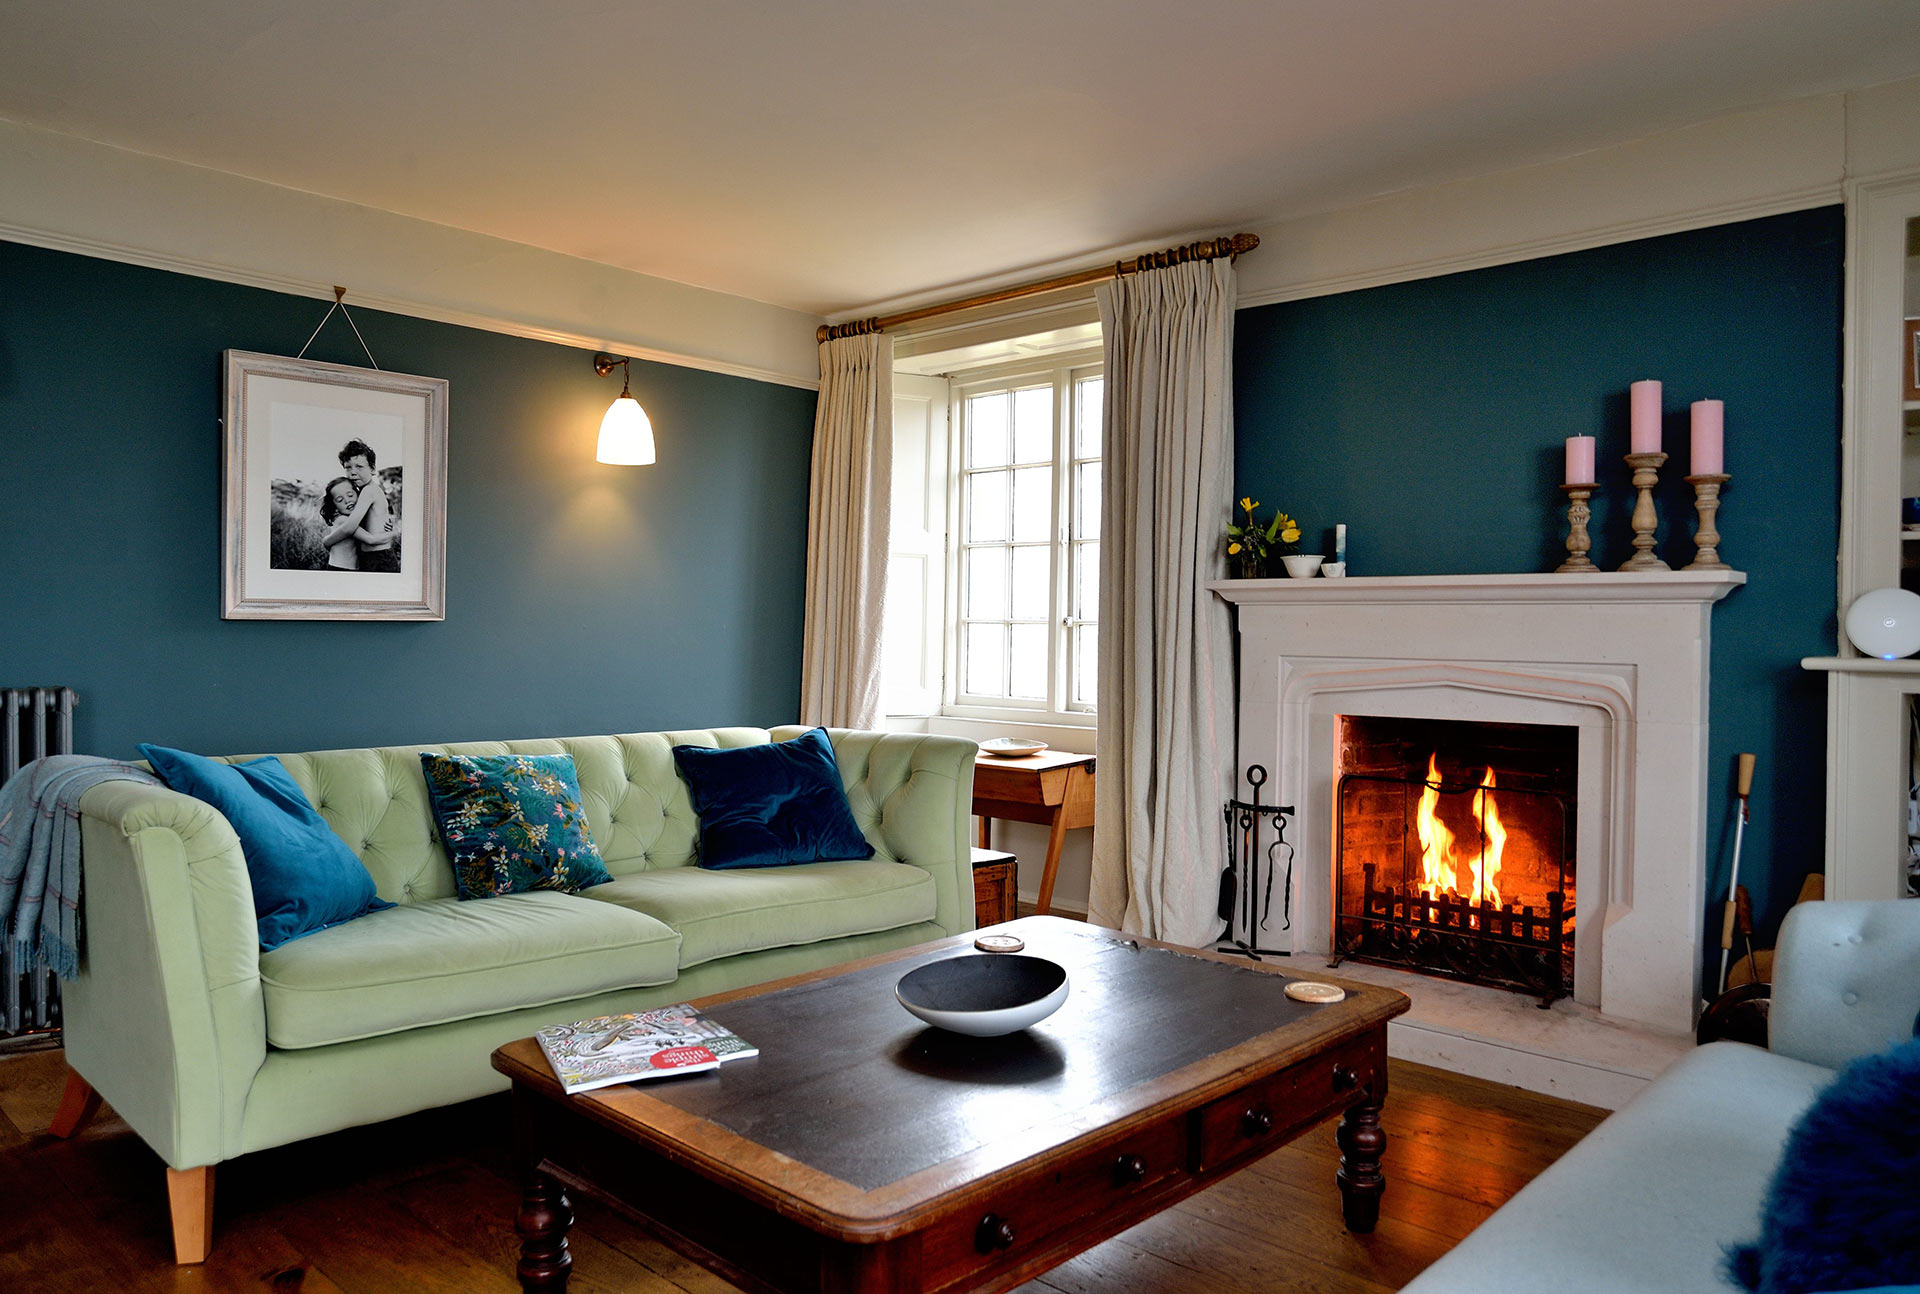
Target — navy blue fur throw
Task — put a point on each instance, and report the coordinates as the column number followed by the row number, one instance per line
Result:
column 1842, row 1212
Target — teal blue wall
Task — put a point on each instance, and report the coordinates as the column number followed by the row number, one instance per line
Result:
column 580, row 598
column 1429, row 417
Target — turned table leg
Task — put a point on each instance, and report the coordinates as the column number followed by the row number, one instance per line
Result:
column 542, row 1223
column 1362, row 1143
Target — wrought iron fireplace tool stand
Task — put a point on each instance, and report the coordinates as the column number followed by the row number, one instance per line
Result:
column 1246, row 902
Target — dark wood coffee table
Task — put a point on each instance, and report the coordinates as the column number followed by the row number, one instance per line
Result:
column 863, row 1151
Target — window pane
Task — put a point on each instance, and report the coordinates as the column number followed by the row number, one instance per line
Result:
column 1090, row 393
column 1086, row 582
column 1030, row 662
column 1086, row 666
column 987, row 430
column 986, row 506
column 1033, row 425
column 986, row 649
column 986, row 584
column 1033, row 505
column 1086, row 505
column 1031, row 584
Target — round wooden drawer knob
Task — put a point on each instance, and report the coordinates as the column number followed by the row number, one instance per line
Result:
column 994, row 1232
column 1257, row 1122
column 1128, row 1169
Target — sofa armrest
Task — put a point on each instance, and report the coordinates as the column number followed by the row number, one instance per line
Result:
column 1846, row 980
column 912, row 795
column 166, row 1019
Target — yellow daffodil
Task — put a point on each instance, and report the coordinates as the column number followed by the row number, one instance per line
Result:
column 1233, row 548
column 1291, row 534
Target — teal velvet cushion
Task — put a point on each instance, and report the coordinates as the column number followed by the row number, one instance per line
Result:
column 771, row 805
column 512, row 823
column 304, row 877
column 1841, row 1212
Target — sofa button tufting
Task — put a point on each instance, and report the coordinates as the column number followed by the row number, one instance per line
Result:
column 1853, row 938
column 1851, row 999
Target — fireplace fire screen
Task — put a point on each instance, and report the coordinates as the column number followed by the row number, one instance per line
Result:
column 1469, row 881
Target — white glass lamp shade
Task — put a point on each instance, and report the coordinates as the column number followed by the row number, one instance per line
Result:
column 1885, row 623
column 626, row 434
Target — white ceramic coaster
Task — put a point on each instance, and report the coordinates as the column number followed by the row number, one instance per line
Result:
column 1306, row 990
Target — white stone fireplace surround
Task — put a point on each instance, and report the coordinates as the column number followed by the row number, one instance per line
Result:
column 1621, row 657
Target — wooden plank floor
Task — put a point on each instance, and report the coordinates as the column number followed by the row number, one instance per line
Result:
column 426, row 1203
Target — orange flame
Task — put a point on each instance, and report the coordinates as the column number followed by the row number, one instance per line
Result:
column 1443, row 869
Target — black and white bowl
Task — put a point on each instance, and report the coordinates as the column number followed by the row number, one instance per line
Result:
column 984, row 995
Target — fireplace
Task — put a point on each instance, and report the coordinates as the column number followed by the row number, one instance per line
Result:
column 1622, row 659
column 1454, row 849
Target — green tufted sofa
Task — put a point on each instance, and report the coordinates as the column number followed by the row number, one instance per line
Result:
column 210, row 1048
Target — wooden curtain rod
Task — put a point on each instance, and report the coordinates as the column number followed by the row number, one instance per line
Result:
column 1208, row 249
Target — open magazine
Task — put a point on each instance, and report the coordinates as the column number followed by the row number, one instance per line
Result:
column 611, row 1049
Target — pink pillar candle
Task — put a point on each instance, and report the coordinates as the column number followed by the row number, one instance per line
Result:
column 1579, row 460
column 1709, row 424
column 1643, row 401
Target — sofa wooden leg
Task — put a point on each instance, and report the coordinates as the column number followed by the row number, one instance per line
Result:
column 190, row 1198
column 78, row 1104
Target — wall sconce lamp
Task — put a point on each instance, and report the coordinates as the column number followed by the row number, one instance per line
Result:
column 626, row 433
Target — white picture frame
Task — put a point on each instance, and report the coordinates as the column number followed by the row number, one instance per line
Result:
column 290, row 484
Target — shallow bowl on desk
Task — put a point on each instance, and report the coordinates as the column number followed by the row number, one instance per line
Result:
column 1011, row 747
column 984, row 995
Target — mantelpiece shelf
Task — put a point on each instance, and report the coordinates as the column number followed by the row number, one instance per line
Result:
column 1603, row 586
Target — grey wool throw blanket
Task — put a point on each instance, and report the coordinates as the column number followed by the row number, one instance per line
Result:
column 40, row 855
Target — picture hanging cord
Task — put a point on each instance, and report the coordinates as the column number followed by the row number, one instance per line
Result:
column 340, row 304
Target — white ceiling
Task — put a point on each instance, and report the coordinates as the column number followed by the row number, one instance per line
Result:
column 836, row 154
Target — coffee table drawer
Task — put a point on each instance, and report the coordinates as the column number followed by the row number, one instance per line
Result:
column 1269, row 1111
column 1011, row 1223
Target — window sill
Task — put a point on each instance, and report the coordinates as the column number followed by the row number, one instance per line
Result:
column 1074, row 738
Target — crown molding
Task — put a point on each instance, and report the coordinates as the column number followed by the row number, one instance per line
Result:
column 1625, row 231
column 150, row 258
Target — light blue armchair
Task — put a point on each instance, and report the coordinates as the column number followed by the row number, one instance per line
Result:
column 1646, row 1204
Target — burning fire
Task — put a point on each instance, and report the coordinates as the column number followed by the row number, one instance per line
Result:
column 1443, row 868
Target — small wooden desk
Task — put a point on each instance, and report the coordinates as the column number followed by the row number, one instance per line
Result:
column 1053, row 788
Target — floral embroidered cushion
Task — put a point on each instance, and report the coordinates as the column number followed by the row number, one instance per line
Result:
column 512, row 823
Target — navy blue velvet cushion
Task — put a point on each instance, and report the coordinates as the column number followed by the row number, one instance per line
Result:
column 304, row 876
column 770, row 805
column 1842, row 1213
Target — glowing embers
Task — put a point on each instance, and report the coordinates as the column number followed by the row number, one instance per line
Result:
column 1453, row 854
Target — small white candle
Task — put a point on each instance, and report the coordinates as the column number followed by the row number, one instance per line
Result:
column 1643, row 400
column 1579, row 460
column 1340, row 542
column 1709, row 445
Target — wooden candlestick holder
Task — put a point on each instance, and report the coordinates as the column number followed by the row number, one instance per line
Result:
column 1706, row 502
column 1578, row 543
column 1646, row 518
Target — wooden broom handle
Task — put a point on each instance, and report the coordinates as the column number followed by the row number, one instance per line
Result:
column 1746, row 776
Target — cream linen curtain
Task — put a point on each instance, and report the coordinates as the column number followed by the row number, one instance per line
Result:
column 1165, row 694
column 847, row 521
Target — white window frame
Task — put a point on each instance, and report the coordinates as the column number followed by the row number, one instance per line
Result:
column 1058, row 707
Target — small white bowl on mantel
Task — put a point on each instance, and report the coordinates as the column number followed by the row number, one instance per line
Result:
column 1302, row 566
column 1011, row 747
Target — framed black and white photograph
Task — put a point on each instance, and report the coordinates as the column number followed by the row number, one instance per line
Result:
column 336, row 492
